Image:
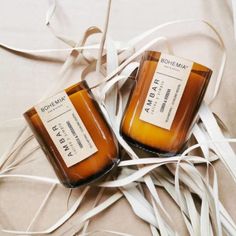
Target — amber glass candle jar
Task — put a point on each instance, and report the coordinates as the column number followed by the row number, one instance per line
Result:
column 164, row 102
column 74, row 135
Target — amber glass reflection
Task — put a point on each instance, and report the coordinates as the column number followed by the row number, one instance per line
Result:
column 153, row 138
column 95, row 166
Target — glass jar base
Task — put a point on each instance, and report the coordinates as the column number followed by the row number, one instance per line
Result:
column 155, row 151
column 94, row 179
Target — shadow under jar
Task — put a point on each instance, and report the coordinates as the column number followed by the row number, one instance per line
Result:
column 74, row 135
column 164, row 102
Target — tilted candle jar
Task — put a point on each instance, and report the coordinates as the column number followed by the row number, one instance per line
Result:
column 74, row 135
column 164, row 102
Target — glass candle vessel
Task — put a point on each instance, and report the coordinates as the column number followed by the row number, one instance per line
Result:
column 74, row 135
column 164, row 102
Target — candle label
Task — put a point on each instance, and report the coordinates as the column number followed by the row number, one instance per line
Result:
column 66, row 129
column 165, row 91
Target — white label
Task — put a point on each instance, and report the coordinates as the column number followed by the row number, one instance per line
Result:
column 66, row 129
column 166, row 90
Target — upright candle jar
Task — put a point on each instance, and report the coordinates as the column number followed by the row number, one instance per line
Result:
column 74, row 135
column 164, row 102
